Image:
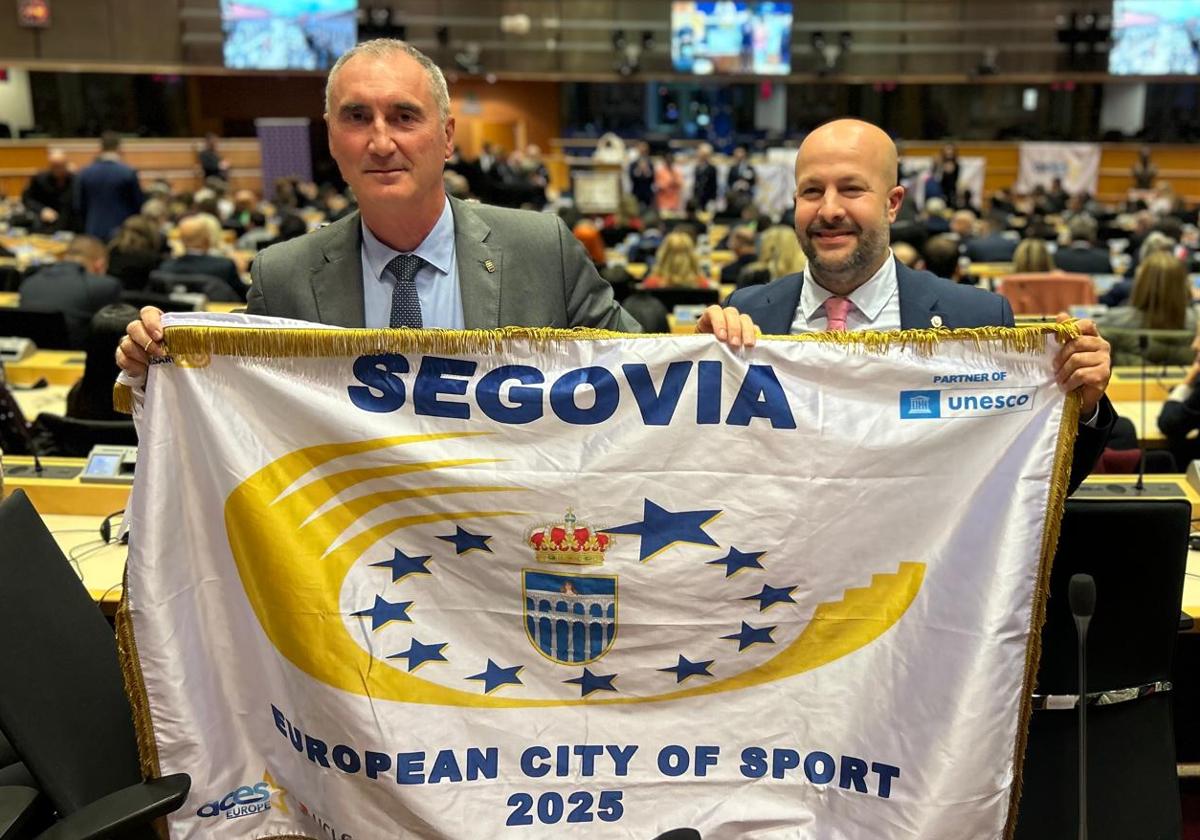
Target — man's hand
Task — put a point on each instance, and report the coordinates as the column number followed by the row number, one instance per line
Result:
column 48, row 215
column 143, row 339
column 729, row 326
column 1085, row 363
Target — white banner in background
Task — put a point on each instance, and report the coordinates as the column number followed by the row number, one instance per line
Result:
column 1077, row 164
column 456, row 586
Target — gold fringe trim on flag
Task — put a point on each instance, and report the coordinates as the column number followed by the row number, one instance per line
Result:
column 1056, row 501
column 135, row 686
column 201, row 342
column 122, row 399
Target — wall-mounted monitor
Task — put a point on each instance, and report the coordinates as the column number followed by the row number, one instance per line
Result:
column 731, row 37
column 287, row 34
column 1155, row 38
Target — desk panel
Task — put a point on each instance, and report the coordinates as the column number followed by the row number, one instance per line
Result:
column 58, row 367
column 65, row 496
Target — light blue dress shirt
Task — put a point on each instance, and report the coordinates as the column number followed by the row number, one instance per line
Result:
column 437, row 281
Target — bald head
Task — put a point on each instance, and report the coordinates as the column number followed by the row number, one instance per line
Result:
column 866, row 143
column 57, row 159
column 194, row 233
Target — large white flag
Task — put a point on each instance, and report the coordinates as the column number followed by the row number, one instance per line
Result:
column 536, row 583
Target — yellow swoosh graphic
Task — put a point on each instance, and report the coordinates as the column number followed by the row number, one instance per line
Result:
column 292, row 569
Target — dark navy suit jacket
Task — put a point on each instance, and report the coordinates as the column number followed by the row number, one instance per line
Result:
column 922, row 297
column 106, row 194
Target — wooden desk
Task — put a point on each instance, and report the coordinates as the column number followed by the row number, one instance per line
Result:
column 989, row 270
column 100, row 566
column 10, row 300
column 64, row 495
column 1126, row 383
column 223, row 306
column 58, row 367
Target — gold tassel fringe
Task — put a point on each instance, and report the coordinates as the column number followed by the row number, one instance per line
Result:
column 266, row 343
column 122, row 399
column 135, row 687
column 1056, row 502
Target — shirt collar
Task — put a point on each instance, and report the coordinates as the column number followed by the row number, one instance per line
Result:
column 870, row 298
column 437, row 248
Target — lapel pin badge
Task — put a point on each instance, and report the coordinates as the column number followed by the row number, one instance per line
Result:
column 936, row 321
column 490, row 266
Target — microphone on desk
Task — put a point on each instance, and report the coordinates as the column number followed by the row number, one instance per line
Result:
column 1143, row 348
column 1081, row 593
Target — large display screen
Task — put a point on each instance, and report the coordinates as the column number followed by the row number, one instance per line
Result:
column 727, row 37
column 1155, row 37
column 287, row 34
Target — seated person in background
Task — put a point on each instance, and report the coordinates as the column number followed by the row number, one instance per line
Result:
column 754, row 274
column 257, row 234
column 1179, row 418
column 134, row 252
column 290, row 226
column 50, row 193
column 781, row 252
column 91, row 397
column 676, row 265
column 962, row 224
column 941, row 257
column 77, row 286
column 908, row 255
column 1161, row 300
column 1032, row 257
column 1154, row 242
column 1082, row 256
column 589, row 237
column 745, row 251
column 991, row 245
column 196, row 234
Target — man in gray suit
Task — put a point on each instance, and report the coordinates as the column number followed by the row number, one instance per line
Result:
column 413, row 257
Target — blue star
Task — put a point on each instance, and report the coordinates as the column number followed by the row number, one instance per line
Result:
column 772, row 595
column 686, row 668
column 385, row 611
column 494, row 676
column 418, row 654
column 736, row 560
column 748, row 636
column 402, row 565
column 590, row 682
column 465, row 541
column 660, row 528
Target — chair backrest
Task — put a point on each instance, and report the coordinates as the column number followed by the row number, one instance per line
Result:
column 685, row 297
column 1158, row 347
column 1047, row 293
column 47, row 329
column 74, row 438
column 1136, row 551
column 165, row 302
column 214, row 288
column 63, row 705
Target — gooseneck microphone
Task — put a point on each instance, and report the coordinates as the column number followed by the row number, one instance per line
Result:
column 1143, row 347
column 1082, row 596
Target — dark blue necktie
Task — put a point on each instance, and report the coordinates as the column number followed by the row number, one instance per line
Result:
column 406, row 306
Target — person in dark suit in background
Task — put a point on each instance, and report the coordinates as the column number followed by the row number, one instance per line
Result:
column 196, row 234
column 107, row 191
column 704, row 178
column 1082, row 256
column 742, row 176
column 641, row 176
column 990, row 245
column 745, row 249
column 846, row 198
column 50, row 195
column 77, row 286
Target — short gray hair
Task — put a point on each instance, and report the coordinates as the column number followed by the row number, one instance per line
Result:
column 387, row 48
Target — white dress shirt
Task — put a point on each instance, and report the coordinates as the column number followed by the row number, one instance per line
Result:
column 876, row 303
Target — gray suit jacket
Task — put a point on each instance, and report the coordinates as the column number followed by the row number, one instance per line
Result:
column 541, row 275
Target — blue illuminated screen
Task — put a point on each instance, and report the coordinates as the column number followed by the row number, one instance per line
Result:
column 726, row 37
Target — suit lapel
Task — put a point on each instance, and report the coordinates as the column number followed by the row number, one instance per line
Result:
column 779, row 309
column 918, row 301
column 337, row 282
column 480, row 268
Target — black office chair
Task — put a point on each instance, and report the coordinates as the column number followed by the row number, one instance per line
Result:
column 162, row 301
column 63, row 706
column 72, row 438
column 213, row 288
column 685, row 297
column 1137, row 552
column 48, row 330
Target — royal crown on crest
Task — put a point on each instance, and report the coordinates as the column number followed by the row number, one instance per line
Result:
column 569, row 541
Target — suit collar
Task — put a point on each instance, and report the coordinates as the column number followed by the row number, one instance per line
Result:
column 336, row 283
column 480, row 267
column 919, row 307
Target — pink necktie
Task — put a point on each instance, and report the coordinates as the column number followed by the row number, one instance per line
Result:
column 836, row 309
